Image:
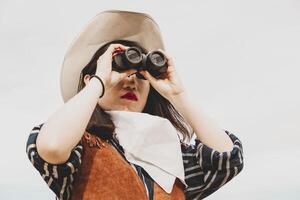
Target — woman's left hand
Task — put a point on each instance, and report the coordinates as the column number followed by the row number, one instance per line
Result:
column 169, row 85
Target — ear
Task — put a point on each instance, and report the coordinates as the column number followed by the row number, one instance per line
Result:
column 86, row 79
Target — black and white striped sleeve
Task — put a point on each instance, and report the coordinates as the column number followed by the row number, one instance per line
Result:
column 59, row 177
column 207, row 170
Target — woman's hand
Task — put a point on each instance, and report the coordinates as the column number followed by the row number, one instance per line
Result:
column 104, row 67
column 168, row 84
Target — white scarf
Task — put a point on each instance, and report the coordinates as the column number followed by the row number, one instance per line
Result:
column 151, row 142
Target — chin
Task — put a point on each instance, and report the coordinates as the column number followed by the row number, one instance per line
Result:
column 131, row 109
column 124, row 107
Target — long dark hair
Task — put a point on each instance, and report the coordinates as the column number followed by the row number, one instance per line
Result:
column 101, row 124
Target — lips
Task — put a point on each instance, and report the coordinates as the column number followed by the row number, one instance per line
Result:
column 130, row 96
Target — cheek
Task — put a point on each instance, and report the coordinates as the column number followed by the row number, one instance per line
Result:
column 145, row 91
column 110, row 96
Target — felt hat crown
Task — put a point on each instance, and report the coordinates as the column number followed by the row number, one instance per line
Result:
column 103, row 28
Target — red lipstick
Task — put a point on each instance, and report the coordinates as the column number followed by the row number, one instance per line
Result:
column 130, row 96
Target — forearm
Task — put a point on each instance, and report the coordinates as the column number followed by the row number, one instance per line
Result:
column 205, row 128
column 63, row 130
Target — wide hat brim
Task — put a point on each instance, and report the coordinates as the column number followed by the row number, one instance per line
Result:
column 105, row 27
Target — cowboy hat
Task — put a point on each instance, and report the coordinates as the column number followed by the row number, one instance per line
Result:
column 103, row 28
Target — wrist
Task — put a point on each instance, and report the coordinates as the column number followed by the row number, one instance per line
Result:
column 96, row 82
column 179, row 99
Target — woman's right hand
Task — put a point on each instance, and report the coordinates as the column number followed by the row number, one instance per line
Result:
column 104, row 67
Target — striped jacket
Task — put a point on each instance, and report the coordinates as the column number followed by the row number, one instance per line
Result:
column 206, row 170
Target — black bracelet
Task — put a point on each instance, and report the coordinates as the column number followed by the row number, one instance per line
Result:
column 103, row 88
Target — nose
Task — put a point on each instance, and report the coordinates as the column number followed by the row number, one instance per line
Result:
column 130, row 81
column 131, row 77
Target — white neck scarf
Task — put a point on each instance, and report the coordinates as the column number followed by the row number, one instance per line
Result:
column 151, row 142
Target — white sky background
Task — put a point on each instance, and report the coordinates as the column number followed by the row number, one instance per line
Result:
column 239, row 61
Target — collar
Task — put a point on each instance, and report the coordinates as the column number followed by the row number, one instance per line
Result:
column 151, row 142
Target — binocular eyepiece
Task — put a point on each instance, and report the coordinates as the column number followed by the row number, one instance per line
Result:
column 154, row 62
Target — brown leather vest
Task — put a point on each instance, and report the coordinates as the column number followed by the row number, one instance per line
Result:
column 105, row 175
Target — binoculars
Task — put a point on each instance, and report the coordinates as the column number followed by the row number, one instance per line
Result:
column 154, row 62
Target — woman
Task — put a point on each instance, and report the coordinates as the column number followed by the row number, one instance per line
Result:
column 124, row 145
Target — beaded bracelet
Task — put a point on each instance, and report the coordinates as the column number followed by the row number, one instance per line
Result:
column 103, row 88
